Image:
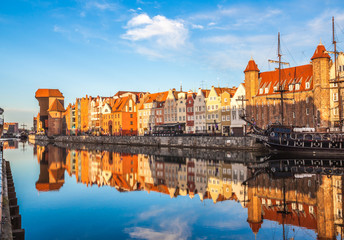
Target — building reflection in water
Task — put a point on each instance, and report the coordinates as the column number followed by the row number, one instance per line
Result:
column 288, row 195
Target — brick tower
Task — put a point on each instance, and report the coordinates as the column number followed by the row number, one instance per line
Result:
column 321, row 76
column 251, row 86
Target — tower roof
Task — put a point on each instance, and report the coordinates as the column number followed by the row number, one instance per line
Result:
column 255, row 226
column 48, row 93
column 251, row 66
column 56, row 106
column 320, row 52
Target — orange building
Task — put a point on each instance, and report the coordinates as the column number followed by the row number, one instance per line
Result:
column 51, row 103
column 122, row 120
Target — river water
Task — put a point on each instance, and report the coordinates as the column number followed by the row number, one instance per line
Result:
column 85, row 192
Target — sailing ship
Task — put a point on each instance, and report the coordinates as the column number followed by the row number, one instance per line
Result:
column 302, row 139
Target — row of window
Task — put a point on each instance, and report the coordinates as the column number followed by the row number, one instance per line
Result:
column 291, row 88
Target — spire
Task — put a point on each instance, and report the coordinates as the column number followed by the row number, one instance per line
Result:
column 320, row 42
column 320, row 52
column 251, row 66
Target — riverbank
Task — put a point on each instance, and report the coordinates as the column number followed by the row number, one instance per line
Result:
column 206, row 142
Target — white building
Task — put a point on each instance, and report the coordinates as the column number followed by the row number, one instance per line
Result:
column 238, row 126
column 200, row 111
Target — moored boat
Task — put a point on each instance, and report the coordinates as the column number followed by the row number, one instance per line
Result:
column 319, row 140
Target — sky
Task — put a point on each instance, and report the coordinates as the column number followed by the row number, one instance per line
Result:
column 98, row 47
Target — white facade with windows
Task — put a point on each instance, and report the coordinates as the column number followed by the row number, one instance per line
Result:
column 237, row 106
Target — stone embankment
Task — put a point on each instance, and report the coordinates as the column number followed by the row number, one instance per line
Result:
column 207, row 142
column 10, row 218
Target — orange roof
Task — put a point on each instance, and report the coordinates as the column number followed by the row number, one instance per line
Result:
column 205, row 92
column 56, row 106
column 294, row 75
column 45, row 187
column 48, row 93
column 255, row 226
column 320, row 52
column 251, row 66
column 231, row 91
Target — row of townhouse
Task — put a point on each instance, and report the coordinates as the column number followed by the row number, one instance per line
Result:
column 214, row 111
column 104, row 115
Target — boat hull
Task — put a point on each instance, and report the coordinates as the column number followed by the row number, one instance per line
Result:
column 304, row 151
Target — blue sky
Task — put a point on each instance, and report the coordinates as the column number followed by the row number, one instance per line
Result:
column 98, row 47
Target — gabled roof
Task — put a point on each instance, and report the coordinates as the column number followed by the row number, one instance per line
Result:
column 48, row 93
column 294, row 75
column 231, row 91
column 56, row 106
column 205, row 92
column 320, row 52
column 251, row 66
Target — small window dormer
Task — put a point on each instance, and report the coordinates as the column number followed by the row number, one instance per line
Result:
column 308, row 85
column 261, row 91
column 275, row 89
column 291, row 87
column 297, row 86
column 266, row 90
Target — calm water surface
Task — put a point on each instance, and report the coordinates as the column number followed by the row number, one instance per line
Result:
column 91, row 194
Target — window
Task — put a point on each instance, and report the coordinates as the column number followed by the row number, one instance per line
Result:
column 307, row 111
column 307, row 85
column 300, row 207
column 297, row 86
column 228, row 117
column 223, row 118
column 293, row 114
column 335, row 97
column 228, row 108
column 275, row 89
column 266, row 90
column 223, row 109
column 290, row 87
column 225, row 99
column 261, row 91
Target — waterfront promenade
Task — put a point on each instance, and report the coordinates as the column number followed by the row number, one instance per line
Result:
column 205, row 142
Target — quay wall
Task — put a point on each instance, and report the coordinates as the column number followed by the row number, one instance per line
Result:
column 208, row 142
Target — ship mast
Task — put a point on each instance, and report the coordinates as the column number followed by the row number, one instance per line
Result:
column 336, row 78
column 280, row 88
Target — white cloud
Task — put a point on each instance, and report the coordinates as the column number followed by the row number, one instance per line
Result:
column 140, row 20
column 167, row 33
column 170, row 230
column 103, row 5
column 59, row 29
column 197, row 26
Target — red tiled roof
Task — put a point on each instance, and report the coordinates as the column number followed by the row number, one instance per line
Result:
column 320, row 52
column 231, row 91
column 56, row 106
column 251, row 66
column 255, row 226
column 48, row 93
column 45, row 187
column 294, row 75
column 205, row 92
